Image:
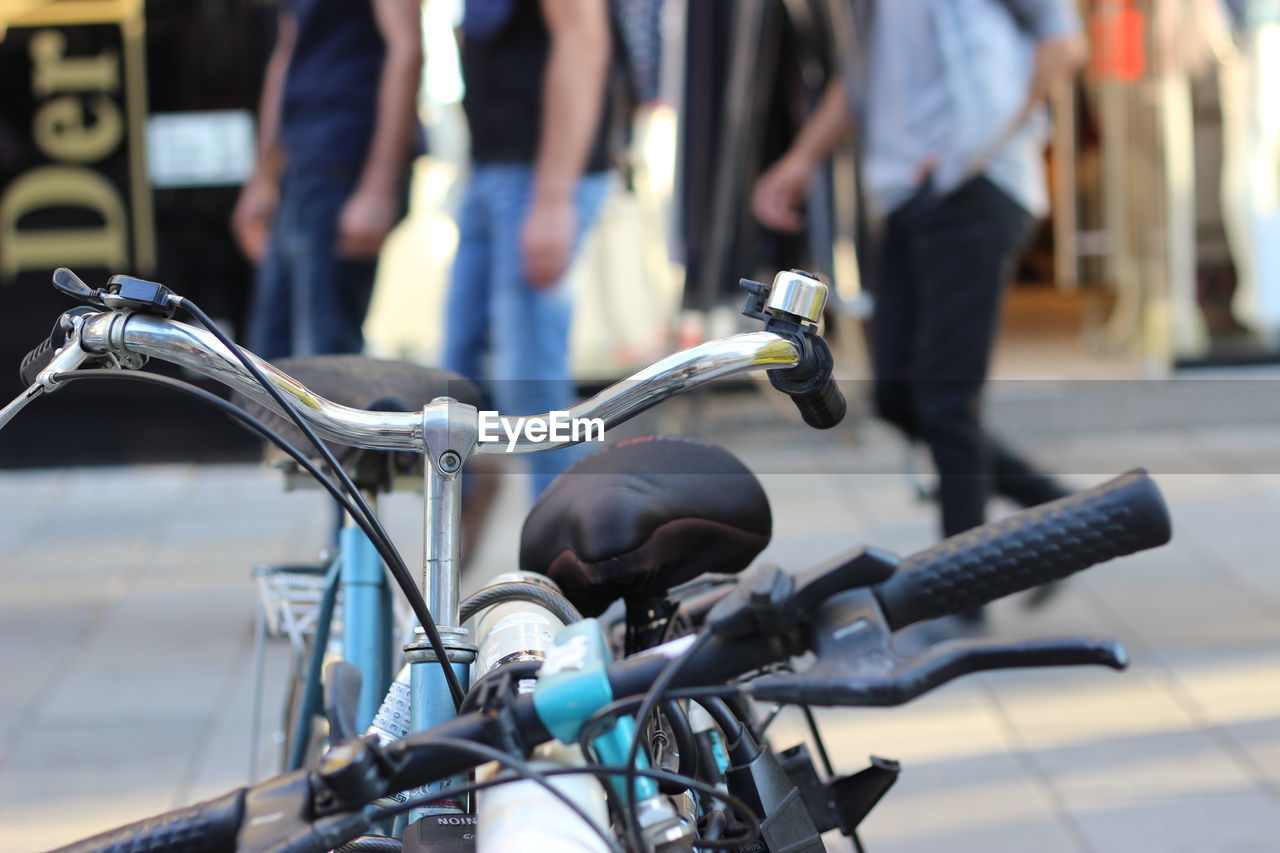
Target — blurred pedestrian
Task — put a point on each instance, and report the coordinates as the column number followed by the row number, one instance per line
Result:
column 947, row 103
column 1248, row 82
column 337, row 130
column 535, row 77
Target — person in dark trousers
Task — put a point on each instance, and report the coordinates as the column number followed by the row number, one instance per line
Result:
column 337, row 130
column 535, row 73
column 947, row 101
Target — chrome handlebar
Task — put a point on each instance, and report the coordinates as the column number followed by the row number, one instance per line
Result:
column 141, row 334
column 169, row 340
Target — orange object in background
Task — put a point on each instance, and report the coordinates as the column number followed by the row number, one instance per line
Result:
column 1116, row 34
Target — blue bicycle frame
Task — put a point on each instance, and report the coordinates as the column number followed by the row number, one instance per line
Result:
column 367, row 633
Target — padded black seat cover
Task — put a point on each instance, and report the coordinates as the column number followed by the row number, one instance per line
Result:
column 643, row 516
column 362, row 382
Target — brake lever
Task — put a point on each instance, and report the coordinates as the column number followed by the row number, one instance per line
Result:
column 856, row 665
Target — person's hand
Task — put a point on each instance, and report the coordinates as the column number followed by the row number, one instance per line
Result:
column 364, row 223
column 780, row 191
column 546, row 240
column 251, row 218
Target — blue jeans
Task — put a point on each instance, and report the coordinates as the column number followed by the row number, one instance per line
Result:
column 309, row 300
column 493, row 312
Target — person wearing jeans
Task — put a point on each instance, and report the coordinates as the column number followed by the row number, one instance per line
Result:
column 535, row 91
column 310, row 299
column 337, row 129
column 492, row 301
column 947, row 100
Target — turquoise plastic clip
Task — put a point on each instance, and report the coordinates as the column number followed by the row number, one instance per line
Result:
column 573, row 685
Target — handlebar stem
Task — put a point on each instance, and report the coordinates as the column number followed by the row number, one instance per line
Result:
column 449, row 431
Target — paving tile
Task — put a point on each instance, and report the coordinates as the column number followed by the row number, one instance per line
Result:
column 1259, row 739
column 1196, row 616
column 1237, row 693
column 66, row 562
column 961, row 785
column 223, row 760
column 171, row 649
column 951, row 724
column 1102, row 705
column 66, row 782
column 1241, row 821
column 1243, row 679
column 981, row 802
column 1084, row 771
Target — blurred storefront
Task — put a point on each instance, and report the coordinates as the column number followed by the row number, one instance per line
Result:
column 1174, row 152
column 1165, row 164
column 125, row 132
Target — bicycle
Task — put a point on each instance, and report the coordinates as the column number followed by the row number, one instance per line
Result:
column 843, row 612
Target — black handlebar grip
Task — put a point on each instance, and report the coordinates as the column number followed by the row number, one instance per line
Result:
column 36, row 360
column 1034, row 547
column 824, row 408
column 811, row 385
column 208, row 827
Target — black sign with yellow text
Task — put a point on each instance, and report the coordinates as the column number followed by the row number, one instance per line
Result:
column 75, row 191
column 80, row 79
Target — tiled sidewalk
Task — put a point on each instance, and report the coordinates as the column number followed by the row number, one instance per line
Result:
column 126, row 614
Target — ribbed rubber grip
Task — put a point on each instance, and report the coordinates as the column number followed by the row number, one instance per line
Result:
column 38, row 359
column 1034, row 547
column 35, row 361
column 822, row 409
column 208, row 827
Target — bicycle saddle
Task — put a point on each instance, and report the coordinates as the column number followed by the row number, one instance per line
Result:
column 363, row 383
column 643, row 516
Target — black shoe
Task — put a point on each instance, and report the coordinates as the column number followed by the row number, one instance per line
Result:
column 920, row 637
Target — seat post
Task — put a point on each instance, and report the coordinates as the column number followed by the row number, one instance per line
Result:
column 647, row 621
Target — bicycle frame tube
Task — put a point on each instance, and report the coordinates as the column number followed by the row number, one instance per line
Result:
column 310, row 704
column 363, row 628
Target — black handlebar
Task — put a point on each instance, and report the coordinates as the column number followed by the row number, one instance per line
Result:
column 208, row 827
column 1034, row 547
